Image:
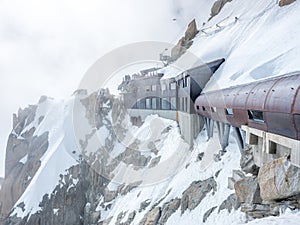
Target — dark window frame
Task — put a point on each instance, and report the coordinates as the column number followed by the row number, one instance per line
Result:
column 256, row 115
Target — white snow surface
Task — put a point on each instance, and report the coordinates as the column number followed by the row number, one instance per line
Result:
column 262, row 43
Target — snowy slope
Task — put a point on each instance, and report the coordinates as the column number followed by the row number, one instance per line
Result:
column 263, row 42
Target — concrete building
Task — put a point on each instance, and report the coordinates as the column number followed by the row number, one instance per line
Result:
column 172, row 98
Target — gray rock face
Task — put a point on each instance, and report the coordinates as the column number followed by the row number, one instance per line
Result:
column 168, row 209
column 247, row 191
column 144, row 205
column 186, row 41
column 247, row 161
column 191, row 31
column 230, row 203
column 21, row 145
column 285, row 2
column 160, row 215
column 197, row 191
column 256, row 210
column 152, row 217
column 217, row 7
column 236, row 176
column 208, row 213
column 279, row 179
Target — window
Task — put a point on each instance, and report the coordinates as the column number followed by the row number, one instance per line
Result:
column 180, row 83
column 163, row 87
column 256, row 115
column 153, row 87
column 213, row 109
column 229, row 111
column 154, row 103
column 198, row 107
column 147, row 88
column 148, row 103
column 173, row 86
column 138, row 104
column 203, row 108
column 164, row 103
column 173, row 103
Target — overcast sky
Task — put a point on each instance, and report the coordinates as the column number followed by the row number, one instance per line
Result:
column 47, row 46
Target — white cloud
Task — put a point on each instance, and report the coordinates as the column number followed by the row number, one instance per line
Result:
column 46, row 46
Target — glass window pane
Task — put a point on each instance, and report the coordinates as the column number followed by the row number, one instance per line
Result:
column 153, row 87
column 164, row 103
column 173, row 86
column 173, row 103
column 154, row 105
column 256, row 115
column 148, row 105
column 229, row 111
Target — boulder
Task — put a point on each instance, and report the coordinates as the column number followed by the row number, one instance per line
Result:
column 247, row 191
column 279, row 179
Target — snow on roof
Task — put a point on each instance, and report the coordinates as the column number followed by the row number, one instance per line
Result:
column 170, row 72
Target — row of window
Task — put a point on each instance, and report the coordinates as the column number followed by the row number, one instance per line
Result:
column 151, row 88
column 157, row 103
column 255, row 115
column 164, row 103
column 172, row 86
column 184, row 82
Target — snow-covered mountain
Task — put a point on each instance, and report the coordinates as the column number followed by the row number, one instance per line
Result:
column 104, row 170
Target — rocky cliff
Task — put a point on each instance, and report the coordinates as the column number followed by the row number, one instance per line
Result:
column 23, row 153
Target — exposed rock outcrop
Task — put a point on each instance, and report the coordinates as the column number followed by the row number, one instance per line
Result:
column 285, row 2
column 197, row 191
column 23, row 155
column 160, row 215
column 247, row 190
column 185, row 42
column 230, row 203
column 152, row 217
column 208, row 213
column 279, row 179
column 168, row 209
column 217, row 7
